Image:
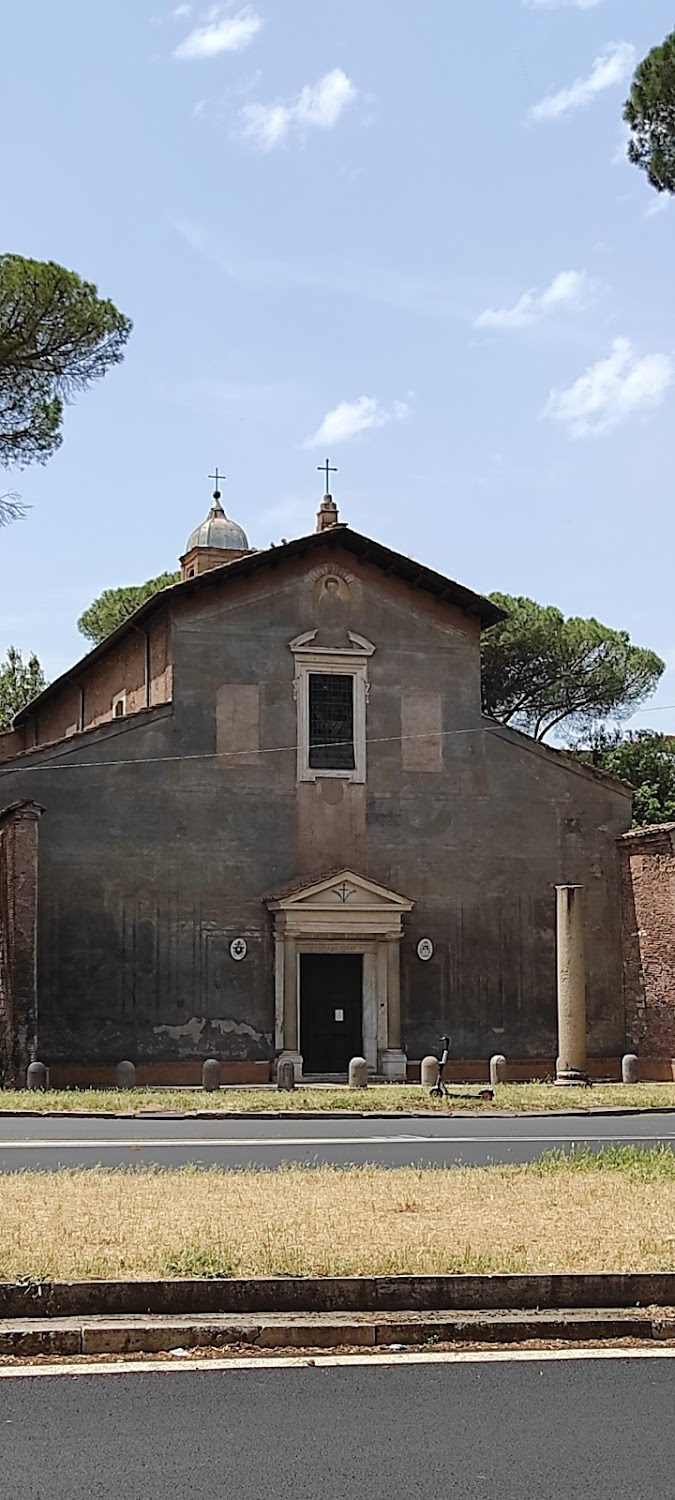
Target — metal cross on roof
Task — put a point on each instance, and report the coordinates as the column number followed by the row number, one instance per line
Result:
column 217, row 477
column 327, row 469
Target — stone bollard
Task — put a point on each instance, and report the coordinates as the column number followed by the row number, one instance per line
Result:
column 358, row 1073
column 629, row 1068
column 286, row 1074
column 211, row 1075
column 428, row 1072
column 497, row 1069
column 36, row 1077
column 125, row 1076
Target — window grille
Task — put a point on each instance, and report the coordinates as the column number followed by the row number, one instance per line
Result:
column 331, row 721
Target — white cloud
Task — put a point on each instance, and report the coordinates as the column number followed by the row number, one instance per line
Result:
column 317, row 107
column 660, row 202
column 350, row 418
column 567, row 289
column 220, row 33
column 613, row 66
column 612, row 390
column 180, row 11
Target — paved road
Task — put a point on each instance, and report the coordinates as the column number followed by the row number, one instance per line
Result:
column 45, row 1144
column 504, row 1430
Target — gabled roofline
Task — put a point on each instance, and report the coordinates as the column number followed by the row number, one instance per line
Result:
column 649, row 831
column 560, row 757
column 340, row 537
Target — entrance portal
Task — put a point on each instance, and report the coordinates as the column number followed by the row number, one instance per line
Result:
column 331, row 1010
column 336, row 949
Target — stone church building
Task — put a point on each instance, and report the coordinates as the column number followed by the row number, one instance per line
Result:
column 267, row 816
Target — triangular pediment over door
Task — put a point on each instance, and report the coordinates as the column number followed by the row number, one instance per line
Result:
column 339, row 902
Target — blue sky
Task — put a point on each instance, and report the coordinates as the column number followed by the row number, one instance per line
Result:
column 401, row 235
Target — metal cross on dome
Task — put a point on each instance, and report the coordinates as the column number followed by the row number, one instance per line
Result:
column 327, row 469
column 217, row 477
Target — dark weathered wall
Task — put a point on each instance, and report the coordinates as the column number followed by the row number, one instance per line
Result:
column 151, row 866
column 136, row 902
column 512, row 822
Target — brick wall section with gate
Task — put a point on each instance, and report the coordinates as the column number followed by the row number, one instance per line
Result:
column 648, row 882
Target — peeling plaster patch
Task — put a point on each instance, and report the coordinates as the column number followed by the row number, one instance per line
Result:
column 195, row 1028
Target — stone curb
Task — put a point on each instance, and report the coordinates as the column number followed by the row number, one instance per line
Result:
column 334, row 1114
column 161, row 1335
column 342, row 1295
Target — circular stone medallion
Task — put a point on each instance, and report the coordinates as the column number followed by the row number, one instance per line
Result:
column 238, row 948
column 425, row 949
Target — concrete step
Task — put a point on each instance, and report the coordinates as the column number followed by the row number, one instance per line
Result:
column 151, row 1335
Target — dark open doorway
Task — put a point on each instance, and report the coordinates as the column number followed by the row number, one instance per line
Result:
column 331, row 1011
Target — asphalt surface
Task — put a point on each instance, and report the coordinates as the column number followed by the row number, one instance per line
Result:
column 46, row 1143
column 471, row 1431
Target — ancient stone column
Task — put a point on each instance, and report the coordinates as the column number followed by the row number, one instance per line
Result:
column 571, row 1061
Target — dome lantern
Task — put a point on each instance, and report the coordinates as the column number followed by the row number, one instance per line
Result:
column 217, row 540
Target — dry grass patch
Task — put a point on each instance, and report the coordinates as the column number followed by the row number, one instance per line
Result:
column 616, row 1213
column 512, row 1098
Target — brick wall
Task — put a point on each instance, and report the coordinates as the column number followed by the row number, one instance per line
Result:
column 648, row 880
column 84, row 699
column 12, row 742
column 18, row 940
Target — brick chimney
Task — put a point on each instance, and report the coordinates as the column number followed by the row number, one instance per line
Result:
column 327, row 514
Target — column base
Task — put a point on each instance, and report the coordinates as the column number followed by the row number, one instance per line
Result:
column 393, row 1065
column 296, row 1059
column 567, row 1077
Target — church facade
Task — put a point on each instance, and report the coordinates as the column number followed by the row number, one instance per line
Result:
column 267, row 817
